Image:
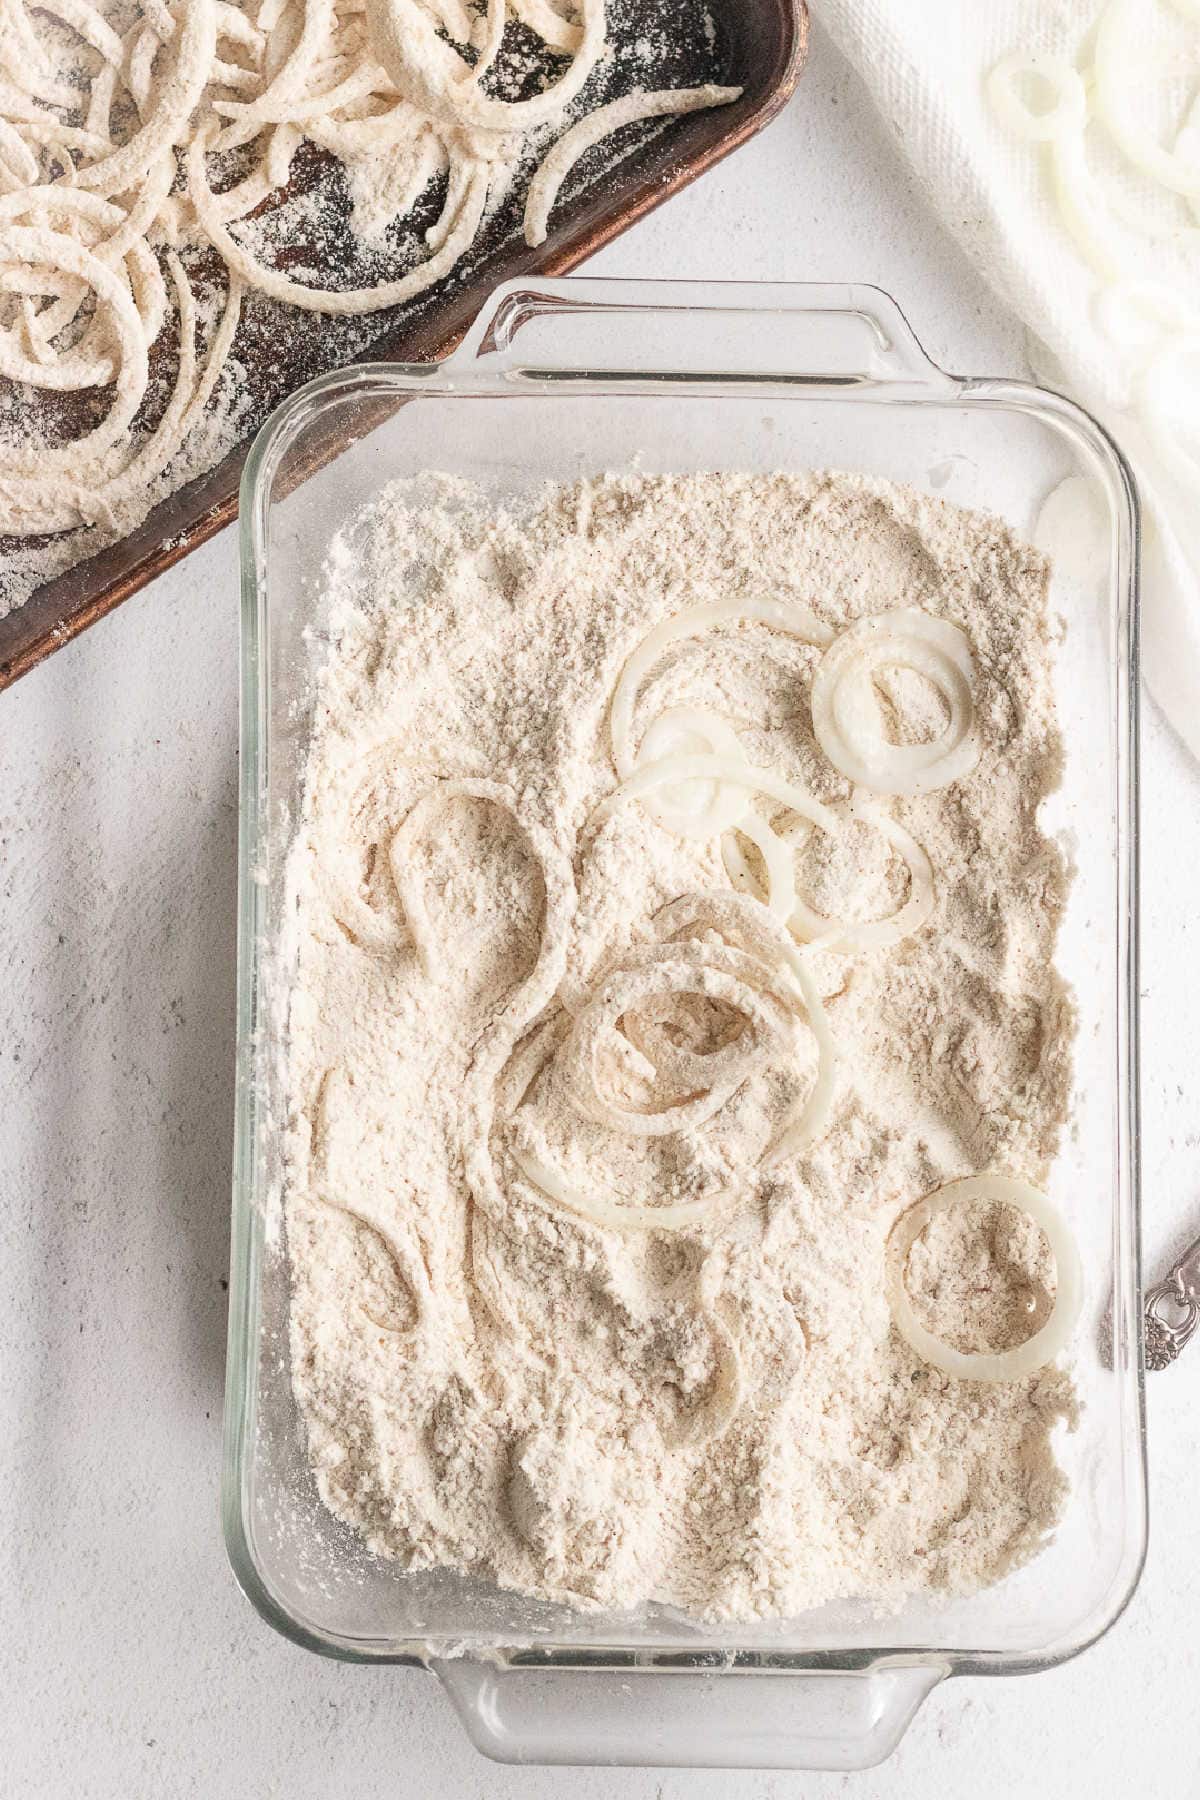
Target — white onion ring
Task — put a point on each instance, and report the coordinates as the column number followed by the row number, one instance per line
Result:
column 695, row 809
column 1082, row 210
column 1120, row 23
column 1045, row 1344
column 796, row 621
column 551, row 1186
column 770, row 966
column 1068, row 112
column 611, row 1215
column 744, row 922
column 622, row 992
column 779, row 896
column 846, row 717
column 673, row 769
column 809, row 925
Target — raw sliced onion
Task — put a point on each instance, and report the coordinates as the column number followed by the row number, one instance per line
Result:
column 797, row 621
column 729, row 1067
column 845, row 712
column 777, row 859
column 1082, row 210
column 1187, row 144
column 649, row 776
column 1044, row 1345
column 1068, row 111
column 1121, row 23
column 694, row 809
column 741, row 921
column 813, row 927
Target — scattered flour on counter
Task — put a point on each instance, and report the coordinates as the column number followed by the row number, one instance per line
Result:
column 720, row 1417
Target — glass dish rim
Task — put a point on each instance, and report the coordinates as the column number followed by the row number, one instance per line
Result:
column 458, row 379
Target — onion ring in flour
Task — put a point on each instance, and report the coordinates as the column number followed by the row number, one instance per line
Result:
column 430, row 72
column 731, row 1066
column 795, row 620
column 743, row 922
column 407, row 885
column 1044, row 1345
column 845, row 714
column 754, row 969
column 807, row 924
column 670, row 770
column 694, row 809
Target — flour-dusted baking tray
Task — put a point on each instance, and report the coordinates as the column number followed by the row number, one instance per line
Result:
column 759, row 45
column 575, row 377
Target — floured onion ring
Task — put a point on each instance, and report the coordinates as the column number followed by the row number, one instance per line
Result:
column 809, row 925
column 429, row 71
column 670, row 770
column 552, row 1187
column 744, row 923
column 1039, row 1349
column 693, row 809
column 795, row 620
column 727, row 1068
column 631, row 109
column 407, row 884
column 614, row 1215
column 845, row 713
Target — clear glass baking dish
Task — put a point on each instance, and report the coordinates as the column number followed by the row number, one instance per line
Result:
column 558, row 379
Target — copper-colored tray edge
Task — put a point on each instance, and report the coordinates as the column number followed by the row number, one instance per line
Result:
column 49, row 619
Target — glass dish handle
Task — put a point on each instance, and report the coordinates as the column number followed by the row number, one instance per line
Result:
column 751, row 1719
column 811, row 334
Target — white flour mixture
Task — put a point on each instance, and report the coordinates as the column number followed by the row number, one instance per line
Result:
column 504, row 1053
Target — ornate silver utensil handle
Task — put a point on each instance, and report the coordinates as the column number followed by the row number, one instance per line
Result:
column 1172, row 1309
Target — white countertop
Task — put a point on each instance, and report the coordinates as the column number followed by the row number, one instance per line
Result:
column 130, row 1664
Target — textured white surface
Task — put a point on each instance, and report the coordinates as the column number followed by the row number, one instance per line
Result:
column 130, row 1665
column 992, row 189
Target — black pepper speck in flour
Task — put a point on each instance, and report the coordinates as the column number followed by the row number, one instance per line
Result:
column 720, row 1417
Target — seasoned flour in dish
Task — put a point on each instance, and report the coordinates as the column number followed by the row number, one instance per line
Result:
column 720, row 1417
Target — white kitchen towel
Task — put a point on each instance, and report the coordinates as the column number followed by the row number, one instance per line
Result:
column 925, row 63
